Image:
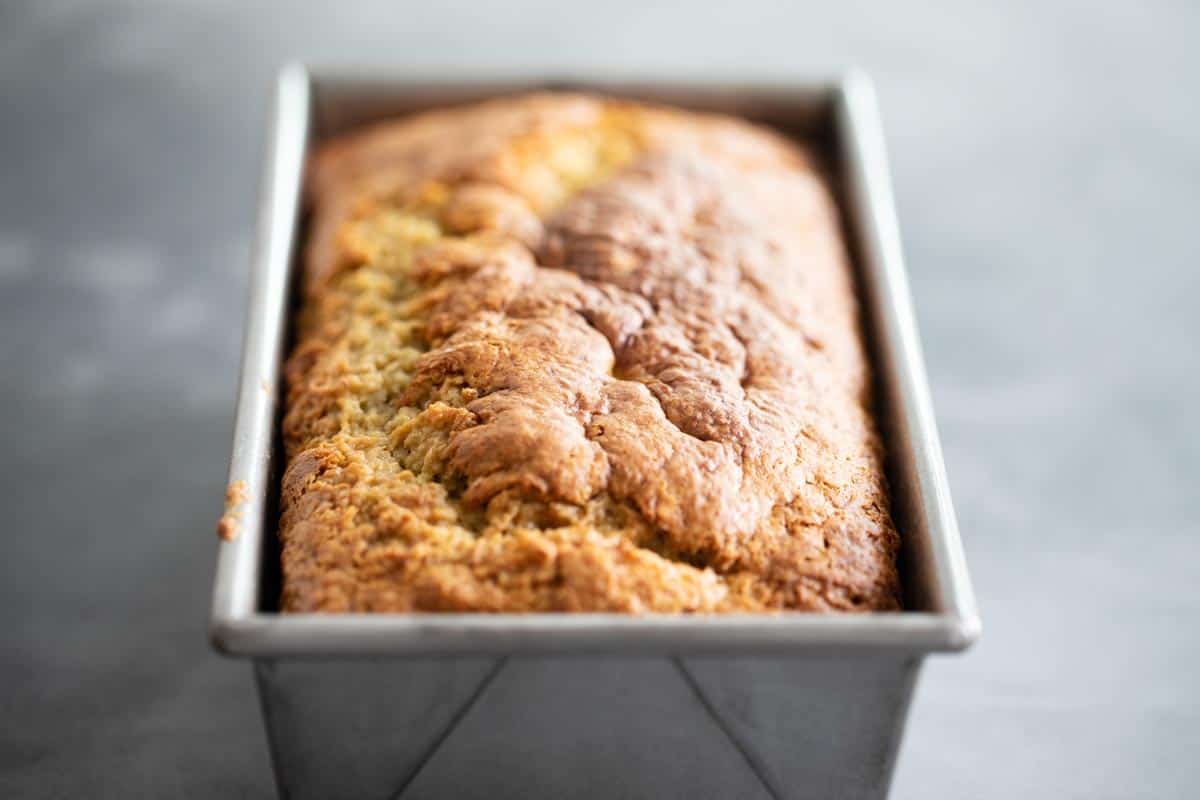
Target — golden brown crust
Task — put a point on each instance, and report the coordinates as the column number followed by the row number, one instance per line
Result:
column 560, row 353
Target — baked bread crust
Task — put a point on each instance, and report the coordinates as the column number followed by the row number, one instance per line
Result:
column 565, row 353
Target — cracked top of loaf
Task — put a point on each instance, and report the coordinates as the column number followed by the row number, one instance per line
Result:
column 564, row 353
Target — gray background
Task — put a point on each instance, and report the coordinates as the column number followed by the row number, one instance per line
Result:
column 1048, row 179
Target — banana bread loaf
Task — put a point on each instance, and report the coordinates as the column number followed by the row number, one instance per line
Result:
column 565, row 353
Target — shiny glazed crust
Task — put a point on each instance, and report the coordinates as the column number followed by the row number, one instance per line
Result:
column 563, row 353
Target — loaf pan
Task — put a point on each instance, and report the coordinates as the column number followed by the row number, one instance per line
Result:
column 589, row 705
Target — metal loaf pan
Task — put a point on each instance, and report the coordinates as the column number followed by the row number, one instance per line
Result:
column 499, row 706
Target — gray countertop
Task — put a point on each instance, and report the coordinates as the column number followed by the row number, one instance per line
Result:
column 1048, row 180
